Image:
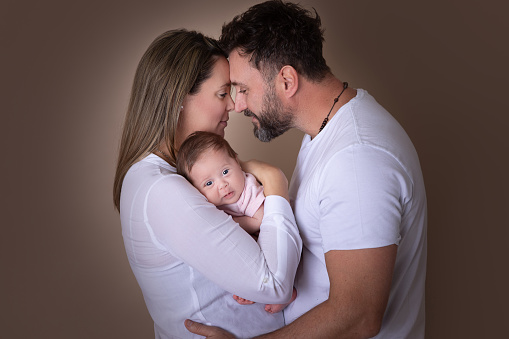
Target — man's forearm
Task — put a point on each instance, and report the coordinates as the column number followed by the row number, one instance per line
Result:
column 327, row 321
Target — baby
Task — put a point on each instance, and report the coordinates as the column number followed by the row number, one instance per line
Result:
column 211, row 165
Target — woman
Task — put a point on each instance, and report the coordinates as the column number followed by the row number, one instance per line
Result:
column 189, row 257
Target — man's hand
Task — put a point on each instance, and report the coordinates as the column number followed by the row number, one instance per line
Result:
column 272, row 178
column 207, row 331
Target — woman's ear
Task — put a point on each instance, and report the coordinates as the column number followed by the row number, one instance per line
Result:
column 288, row 81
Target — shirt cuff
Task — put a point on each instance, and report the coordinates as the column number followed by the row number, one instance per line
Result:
column 275, row 204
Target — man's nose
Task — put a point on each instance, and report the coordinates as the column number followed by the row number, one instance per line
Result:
column 240, row 104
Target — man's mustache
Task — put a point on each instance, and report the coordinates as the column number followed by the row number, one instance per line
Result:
column 249, row 113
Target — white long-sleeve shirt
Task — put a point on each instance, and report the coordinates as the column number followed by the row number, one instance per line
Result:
column 189, row 257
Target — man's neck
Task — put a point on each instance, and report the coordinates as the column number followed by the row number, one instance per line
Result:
column 316, row 100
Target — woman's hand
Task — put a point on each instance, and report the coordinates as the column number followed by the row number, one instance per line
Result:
column 272, row 178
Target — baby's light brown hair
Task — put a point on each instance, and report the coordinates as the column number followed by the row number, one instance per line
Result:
column 195, row 145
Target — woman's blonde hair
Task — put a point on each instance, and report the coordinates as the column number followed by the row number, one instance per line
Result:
column 175, row 64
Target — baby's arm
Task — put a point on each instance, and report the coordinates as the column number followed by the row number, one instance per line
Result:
column 251, row 224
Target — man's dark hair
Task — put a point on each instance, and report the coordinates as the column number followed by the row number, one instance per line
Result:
column 276, row 33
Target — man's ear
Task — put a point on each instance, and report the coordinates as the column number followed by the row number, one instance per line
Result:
column 288, row 81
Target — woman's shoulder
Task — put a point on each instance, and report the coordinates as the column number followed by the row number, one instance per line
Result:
column 153, row 161
column 153, row 170
column 158, row 182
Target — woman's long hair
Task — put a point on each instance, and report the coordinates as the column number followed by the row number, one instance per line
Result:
column 175, row 64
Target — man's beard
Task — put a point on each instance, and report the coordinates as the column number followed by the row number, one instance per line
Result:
column 274, row 120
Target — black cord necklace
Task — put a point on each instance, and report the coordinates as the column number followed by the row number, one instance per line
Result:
column 326, row 120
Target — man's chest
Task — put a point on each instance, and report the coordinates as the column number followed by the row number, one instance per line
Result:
column 305, row 202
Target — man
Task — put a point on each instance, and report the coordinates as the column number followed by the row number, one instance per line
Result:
column 357, row 191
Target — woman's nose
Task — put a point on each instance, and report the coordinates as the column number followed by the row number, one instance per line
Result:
column 230, row 105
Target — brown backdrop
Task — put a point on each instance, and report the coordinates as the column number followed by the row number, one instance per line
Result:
column 440, row 67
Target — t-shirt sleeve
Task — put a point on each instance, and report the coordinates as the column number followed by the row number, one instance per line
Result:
column 363, row 191
column 194, row 230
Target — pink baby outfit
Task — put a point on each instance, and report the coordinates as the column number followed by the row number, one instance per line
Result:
column 250, row 200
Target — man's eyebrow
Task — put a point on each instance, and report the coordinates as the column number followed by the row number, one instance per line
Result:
column 235, row 83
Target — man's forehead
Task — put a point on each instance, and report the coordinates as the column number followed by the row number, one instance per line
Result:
column 237, row 56
column 240, row 68
column 236, row 63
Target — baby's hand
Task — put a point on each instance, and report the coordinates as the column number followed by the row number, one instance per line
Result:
column 242, row 301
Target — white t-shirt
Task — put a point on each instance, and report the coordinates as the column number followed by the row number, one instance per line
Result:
column 358, row 184
column 189, row 257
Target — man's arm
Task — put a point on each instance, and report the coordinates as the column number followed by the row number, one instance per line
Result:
column 360, row 282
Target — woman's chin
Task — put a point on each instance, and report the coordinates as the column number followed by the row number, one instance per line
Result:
column 220, row 131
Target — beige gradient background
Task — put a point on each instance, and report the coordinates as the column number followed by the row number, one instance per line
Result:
column 440, row 67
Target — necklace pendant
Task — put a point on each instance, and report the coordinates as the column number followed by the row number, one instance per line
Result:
column 323, row 124
column 345, row 85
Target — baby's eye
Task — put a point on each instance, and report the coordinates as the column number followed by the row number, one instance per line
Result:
column 208, row 183
column 225, row 172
